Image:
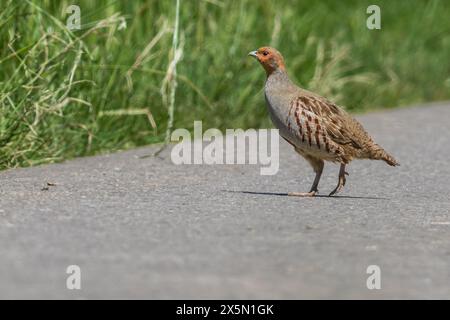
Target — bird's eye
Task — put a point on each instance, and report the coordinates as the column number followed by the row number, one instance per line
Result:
column 265, row 53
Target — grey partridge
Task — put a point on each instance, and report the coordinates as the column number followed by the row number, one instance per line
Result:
column 318, row 129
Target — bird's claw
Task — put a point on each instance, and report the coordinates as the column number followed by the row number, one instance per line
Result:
column 338, row 189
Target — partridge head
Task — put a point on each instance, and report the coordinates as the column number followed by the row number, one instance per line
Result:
column 270, row 58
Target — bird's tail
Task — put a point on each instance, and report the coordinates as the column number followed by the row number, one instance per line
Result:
column 378, row 153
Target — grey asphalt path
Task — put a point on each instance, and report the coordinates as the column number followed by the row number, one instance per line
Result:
column 145, row 228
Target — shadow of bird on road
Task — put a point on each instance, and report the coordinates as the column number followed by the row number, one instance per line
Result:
column 316, row 196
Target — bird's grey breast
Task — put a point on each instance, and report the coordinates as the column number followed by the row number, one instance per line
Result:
column 278, row 101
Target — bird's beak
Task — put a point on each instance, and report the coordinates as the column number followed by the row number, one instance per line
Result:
column 253, row 53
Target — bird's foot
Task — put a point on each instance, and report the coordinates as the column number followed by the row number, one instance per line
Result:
column 336, row 190
column 302, row 194
column 340, row 185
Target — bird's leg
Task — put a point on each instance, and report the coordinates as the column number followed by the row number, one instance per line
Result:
column 318, row 168
column 313, row 190
column 341, row 182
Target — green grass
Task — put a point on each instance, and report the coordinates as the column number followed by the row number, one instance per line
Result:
column 66, row 94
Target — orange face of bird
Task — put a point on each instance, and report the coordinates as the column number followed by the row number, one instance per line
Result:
column 269, row 58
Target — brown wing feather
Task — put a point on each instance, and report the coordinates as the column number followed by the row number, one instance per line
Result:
column 339, row 125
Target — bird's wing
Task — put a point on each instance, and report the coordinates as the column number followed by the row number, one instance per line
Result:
column 338, row 125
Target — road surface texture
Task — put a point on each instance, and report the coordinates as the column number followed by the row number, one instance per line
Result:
column 146, row 228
